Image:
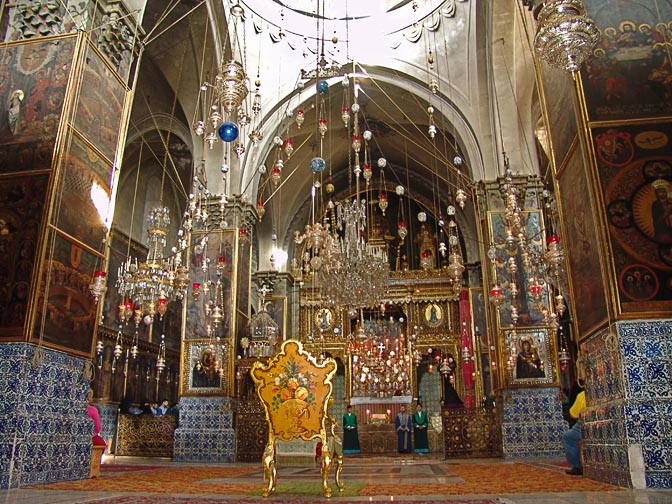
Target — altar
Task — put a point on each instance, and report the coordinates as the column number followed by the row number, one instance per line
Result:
column 379, row 410
column 376, row 429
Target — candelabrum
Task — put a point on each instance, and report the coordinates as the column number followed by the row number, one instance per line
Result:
column 380, row 362
column 149, row 285
column 524, row 269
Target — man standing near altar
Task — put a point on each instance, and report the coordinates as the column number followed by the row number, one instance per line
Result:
column 420, row 425
column 403, row 425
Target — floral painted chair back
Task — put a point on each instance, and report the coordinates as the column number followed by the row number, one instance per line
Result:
column 294, row 391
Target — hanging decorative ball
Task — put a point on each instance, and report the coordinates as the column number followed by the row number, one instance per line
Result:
column 322, row 86
column 262, row 169
column 330, row 188
column 317, row 165
column 457, row 160
column 277, row 140
column 422, row 217
column 355, row 108
column 399, row 190
column 382, row 162
column 224, row 168
column 367, row 135
column 228, row 131
column 430, row 109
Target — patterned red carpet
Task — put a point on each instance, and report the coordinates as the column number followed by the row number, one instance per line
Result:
column 305, row 500
column 448, row 479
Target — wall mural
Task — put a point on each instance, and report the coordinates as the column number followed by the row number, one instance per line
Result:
column 588, row 300
column 70, row 310
column 559, row 93
column 630, row 75
column 21, row 206
column 84, row 194
column 33, row 80
column 635, row 170
column 101, row 102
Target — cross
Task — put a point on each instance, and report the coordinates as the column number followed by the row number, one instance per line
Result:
column 263, row 291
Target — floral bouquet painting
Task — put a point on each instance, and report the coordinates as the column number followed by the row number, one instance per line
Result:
column 294, row 391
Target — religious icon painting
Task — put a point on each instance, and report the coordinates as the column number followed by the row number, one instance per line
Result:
column 530, row 359
column 324, row 319
column 433, row 315
column 204, row 368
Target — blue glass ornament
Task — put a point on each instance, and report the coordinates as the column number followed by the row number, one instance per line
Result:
column 322, row 86
column 317, row 165
column 228, row 131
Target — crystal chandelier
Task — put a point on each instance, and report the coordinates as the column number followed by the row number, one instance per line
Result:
column 362, row 271
column 565, row 35
column 350, row 270
column 147, row 286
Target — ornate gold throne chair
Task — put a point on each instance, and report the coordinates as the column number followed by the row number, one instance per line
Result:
column 294, row 391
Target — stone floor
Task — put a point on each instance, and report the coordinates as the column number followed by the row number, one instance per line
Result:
column 420, row 471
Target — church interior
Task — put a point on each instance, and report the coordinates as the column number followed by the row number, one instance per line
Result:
column 459, row 204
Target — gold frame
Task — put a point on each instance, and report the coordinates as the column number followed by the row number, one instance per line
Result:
column 546, row 347
column 191, row 352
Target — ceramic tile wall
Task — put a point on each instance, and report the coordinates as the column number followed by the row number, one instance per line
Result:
column 45, row 435
column 532, row 423
column 646, row 347
column 205, row 432
column 605, row 447
column 108, row 420
column 629, row 417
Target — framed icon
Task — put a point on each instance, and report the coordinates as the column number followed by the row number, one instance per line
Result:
column 533, row 350
column 433, row 315
column 324, row 319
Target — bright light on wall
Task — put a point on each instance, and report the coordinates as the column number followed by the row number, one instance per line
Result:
column 280, row 257
column 101, row 201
